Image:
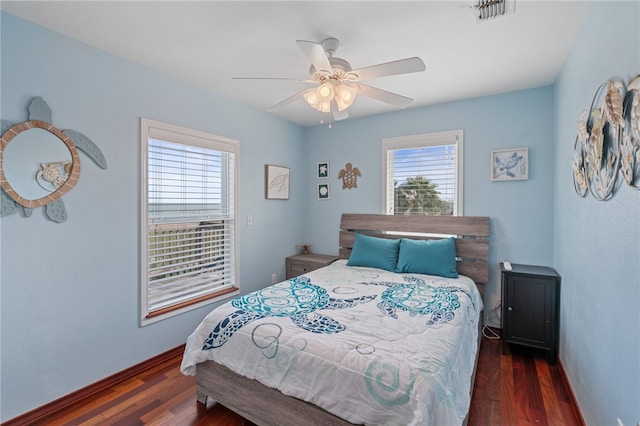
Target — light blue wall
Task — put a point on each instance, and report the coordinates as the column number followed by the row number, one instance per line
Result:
column 520, row 211
column 596, row 244
column 70, row 292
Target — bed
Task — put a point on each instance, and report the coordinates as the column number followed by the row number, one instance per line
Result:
column 356, row 342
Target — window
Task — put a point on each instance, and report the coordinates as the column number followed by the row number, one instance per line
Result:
column 188, row 219
column 422, row 174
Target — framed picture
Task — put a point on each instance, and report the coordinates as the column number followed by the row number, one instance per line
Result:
column 323, row 170
column 323, row 191
column 276, row 182
column 510, row 164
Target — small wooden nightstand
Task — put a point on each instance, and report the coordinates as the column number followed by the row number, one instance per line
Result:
column 530, row 308
column 302, row 263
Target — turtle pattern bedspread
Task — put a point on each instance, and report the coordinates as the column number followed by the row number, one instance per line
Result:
column 371, row 346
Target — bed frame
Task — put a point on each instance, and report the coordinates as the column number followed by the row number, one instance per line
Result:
column 266, row 406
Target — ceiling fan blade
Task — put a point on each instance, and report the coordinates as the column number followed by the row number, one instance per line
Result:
column 384, row 96
column 289, row 100
column 316, row 54
column 402, row 66
column 337, row 114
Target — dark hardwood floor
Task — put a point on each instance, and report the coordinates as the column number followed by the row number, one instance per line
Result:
column 519, row 388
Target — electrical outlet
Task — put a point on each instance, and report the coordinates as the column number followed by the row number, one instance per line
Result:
column 274, row 277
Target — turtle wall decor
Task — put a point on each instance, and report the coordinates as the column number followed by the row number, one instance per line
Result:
column 29, row 177
column 349, row 176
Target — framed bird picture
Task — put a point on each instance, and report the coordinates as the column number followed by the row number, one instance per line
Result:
column 510, row 164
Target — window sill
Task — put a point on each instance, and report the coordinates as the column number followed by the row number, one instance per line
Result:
column 189, row 305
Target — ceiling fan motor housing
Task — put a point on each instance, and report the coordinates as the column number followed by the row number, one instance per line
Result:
column 336, row 64
column 330, row 45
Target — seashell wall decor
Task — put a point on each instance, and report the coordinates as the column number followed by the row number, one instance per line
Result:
column 607, row 143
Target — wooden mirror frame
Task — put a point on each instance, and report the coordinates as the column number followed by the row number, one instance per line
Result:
column 64, row 188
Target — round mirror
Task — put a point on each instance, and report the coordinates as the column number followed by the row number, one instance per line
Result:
column 38, row 163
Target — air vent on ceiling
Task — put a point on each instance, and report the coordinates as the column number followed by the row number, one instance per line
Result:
column 489, row 9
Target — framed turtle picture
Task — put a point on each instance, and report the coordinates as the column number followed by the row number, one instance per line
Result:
column 323, row 170
column 276, row 182
column 510, row 164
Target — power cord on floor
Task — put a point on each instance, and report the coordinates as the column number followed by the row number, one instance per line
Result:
column 489, row 333
column 494, row 314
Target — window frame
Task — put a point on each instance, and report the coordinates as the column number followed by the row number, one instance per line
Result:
column 422, row 140
column 185, row 136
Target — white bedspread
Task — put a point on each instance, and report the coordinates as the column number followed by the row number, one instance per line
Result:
column 370, row 346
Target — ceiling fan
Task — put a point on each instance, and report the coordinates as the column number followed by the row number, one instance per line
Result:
column 336, row 85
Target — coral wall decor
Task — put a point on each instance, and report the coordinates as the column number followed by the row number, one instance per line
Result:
column 608, row 141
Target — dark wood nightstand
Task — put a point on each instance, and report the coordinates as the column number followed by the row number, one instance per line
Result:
column 302, row 263
column 530, row 308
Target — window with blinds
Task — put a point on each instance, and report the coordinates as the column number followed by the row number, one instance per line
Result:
column 422, row 174
column 188, row 220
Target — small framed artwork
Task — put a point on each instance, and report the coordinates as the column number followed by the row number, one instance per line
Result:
column 323, row 191
column 276, row 182
column 510, row 164
column 323, row 170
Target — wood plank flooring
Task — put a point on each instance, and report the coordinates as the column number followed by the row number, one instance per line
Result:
column 519, row 388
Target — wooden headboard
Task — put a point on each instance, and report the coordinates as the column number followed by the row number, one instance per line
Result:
column 471, row 233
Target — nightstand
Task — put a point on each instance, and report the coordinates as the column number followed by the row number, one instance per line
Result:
column 302, row 263
column 530, row 308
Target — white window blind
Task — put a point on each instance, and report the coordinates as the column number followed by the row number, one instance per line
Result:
column 423, row 174
column 189, row 217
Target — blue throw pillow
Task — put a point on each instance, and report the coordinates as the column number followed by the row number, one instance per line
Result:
column 374, row 252
column 432, row 257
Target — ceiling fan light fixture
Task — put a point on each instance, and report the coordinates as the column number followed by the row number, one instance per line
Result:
column 325, row 92
column 320, row 97
column 345, row 95
column 311, row 97
column 324, row 107
column 314, row 100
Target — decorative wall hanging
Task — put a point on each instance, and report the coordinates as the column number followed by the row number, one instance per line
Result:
column 323, row 170
column 276, row 182
column 39, row 163
column 608, row 141
column 323, row 191
column 349, row 176
column 510, row 164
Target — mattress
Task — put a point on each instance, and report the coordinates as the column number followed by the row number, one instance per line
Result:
column 368, row 345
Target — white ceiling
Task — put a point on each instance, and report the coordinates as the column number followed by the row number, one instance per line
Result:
column 206, row 43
